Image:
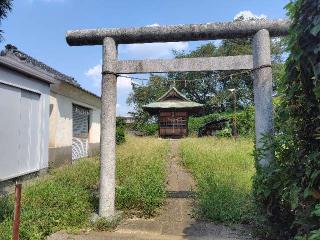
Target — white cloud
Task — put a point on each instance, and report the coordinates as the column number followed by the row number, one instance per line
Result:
column 94, row 73
column 248, row 15
column 153, row 25
column 124, row 87
column 124, row 82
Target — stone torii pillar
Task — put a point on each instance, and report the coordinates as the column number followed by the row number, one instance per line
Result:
column 262, row 87
column 109, row 38
column 108, row 129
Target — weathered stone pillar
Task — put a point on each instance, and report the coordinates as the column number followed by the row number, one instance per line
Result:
column 263, row 93
column 108, row 130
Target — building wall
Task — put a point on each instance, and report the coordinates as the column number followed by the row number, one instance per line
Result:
column 24, row 125
column 94, row 132
column 62, row 97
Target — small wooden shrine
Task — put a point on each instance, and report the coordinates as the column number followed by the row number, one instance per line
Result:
column 173, row 110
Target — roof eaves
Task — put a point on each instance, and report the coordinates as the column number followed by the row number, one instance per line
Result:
column 172, row 105
column 14, row 65
column 17, row 60
column 13, row 52
column 85, row 90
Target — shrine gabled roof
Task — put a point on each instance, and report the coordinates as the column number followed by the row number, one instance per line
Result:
column 173, row 89
column 180, row 102
column 173, row 105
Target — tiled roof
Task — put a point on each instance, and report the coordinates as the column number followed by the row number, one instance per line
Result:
column 13, row 52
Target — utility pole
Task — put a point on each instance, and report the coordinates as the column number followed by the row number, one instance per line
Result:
column 234, row 127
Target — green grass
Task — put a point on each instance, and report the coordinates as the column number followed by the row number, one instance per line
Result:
column 66, row 198
column 223, row 169
column 141, row 174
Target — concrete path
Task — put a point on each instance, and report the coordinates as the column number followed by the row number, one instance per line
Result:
column 175, row 220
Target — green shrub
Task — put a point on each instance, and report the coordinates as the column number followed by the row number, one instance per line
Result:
column 245, row 121
column 226, row 132
column 120, row 135
column 120, row 131
column 223, row 169
column 149, row 129
column 120, row 122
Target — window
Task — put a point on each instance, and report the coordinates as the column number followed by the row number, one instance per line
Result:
column 80, row 116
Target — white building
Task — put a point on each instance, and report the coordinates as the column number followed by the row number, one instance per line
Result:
column 47, row 119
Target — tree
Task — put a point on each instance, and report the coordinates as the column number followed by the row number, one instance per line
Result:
column 5, row 8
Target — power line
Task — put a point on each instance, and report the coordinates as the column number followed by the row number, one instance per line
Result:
column 188, row 80
column 198, row 79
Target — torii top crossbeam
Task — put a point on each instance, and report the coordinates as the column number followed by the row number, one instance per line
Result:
column 176, row 33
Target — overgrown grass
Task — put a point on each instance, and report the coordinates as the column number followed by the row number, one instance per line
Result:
column 66, row 198
column 141, row 174
column 223, row 169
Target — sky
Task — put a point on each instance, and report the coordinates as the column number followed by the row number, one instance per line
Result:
column 38, row 28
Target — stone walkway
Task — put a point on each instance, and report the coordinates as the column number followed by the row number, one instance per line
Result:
column 175, row 220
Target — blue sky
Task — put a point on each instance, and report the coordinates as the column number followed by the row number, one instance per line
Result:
column 38, row 28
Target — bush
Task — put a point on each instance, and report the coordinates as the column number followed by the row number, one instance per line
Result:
column 223, row 169
column 245, row 121
column 120, row 136
column 226, row 132
column 149, row 129
column 65, row 199
column 120, row 131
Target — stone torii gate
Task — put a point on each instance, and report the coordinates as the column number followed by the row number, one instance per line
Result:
column 259, row 62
